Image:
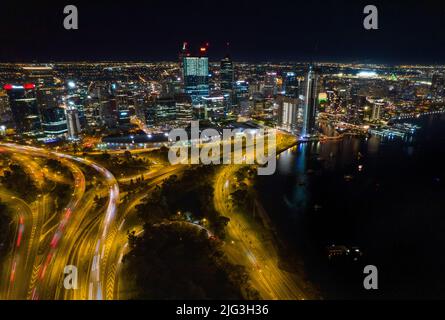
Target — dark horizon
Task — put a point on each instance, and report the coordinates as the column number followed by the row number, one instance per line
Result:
column 217, row 61
column 409, row 33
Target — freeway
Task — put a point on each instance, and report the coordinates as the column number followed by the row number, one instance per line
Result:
column 43, row 262
column 246, row 246
column 14, row 264
column 127, row 221
column 98, row 238
column 146, row 174
column 30, row 220
column 50, row 266
column 94, row 238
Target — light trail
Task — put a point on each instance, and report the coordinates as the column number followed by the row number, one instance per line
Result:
column 72, row 207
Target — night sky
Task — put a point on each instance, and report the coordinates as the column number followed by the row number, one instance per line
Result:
column 410, row 31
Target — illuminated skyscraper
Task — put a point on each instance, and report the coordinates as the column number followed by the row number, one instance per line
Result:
column 378, row 106
column 182, row 54
column 270, row 84
column 72, row 119
column 184, row 110
column 438, row 85
column 241, row 91
column 227, row 74
column 290, row 85
column 53, row 116
column 162, row 112
column 23, row 103
column 5, row 110
column 123, row 106
column 310, row 103
column 288, row 113
column 196, row 76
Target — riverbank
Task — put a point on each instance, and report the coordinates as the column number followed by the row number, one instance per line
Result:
column 382, row 195
column 249, row 244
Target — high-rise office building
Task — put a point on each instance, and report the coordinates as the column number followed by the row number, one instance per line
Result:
column 123, row 106
column 72, row 119
column 241, row 91
column 53, row 115
column 227, row 78
column 290, row 85
column 162, row 112
column 93, row 113
column 376, row 109
column 184, row 110
column 288, row 113
column 54, row 121
column 182, row 54
column 101, row 93
column 438, row 86
column 5, row 110
column 270, row 84
column 215, row 107
column 310, row 103
column 77, row 96
column 378, row 105
column 23, row 104
column 196, row 76
column 227, row 74
column 48, row 95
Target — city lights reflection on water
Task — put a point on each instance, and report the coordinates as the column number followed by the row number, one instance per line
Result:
column 380, row 193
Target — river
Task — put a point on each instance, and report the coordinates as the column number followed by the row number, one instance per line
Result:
column 386, row 196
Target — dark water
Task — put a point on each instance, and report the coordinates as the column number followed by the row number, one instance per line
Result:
column 393, row 209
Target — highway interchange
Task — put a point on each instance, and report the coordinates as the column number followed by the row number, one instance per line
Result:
column 94, row 238
column 91, row 238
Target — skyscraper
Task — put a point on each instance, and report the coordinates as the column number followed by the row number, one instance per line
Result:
column 162, row 112
column 241, row 91
column 72, row 119
column 77, row 96
column 196, row 76
column 184, row 110
column 53, row 116
column 288, row 113
column 5, row 110
column 310, row 103
column 123, row 106
column 270, row 84
column 227, row 73
column 182, row 54
column 378, row 106
column 290, row 85
column 23, row 103
column 438, row 85
column 227, row 78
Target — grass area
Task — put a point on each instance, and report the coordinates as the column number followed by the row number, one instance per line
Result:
column 180, row 255
column 178, row 261
column 5, row 222
column 125, row 164
column 18, row 181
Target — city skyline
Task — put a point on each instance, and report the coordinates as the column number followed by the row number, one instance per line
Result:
column 87, row 149
column 204, row 151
